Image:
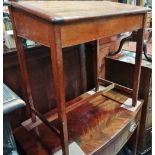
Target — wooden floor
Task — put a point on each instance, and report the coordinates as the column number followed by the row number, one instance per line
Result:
column 94, row 126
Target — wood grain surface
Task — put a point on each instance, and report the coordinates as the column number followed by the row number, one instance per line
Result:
column 124, row 77
column 95, row 20
column 84, row 31
column 95, row 125
column 57, row 11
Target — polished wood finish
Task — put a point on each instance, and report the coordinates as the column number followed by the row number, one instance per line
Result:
column 67, row 11
column 117, row 86
column 45, row 121
column 24, row 73
column 136, row 76
column 58, row 79
column 83, row 31
column 72, row 33
column 124, row 78
column 39, row 65
column 65, row 25
column 91, row 126
column 78, row 102
column 30, row 31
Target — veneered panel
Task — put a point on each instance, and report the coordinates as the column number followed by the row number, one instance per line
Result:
column 84, row 31
column 31, row 27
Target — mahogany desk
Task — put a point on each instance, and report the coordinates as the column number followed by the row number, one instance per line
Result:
column 58, row 24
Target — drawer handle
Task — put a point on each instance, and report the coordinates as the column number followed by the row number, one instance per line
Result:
column 132, row 127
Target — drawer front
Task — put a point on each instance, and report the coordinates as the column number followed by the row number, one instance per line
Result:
column 115, row 146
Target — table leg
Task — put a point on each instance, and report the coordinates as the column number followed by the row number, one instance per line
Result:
column 82, row 51
column 95, row 63
column 23, row 70
column 58, row 78
column 137, row 67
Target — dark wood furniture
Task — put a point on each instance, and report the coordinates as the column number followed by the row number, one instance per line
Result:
column 125, row 61
column 61, row 24
column 38, row 64
column 71, row 56
column 132, row 38
column 100, row 126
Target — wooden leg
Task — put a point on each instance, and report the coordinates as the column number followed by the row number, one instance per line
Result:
column 142, row 131
column 57, row 68
column 25, row 77
column 137, row 67
column 24, row 72
column 83, row 66
column 95, row 64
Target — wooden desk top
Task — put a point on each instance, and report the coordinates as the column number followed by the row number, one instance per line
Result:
column 63, row 11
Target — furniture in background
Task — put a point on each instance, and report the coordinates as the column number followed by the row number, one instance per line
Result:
column 119, row 69
column 39, row 57
column 65, row 29
column 131, row 37
column 114, row 44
